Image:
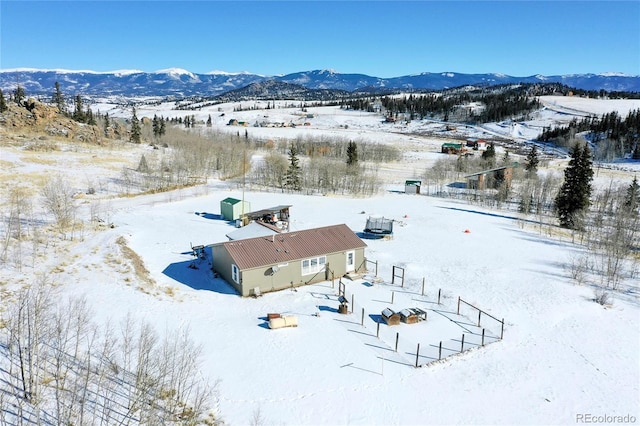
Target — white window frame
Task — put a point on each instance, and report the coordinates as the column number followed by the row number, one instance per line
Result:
column 313, row 265
column 235, row 273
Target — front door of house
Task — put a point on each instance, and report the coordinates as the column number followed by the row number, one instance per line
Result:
column 351, row 261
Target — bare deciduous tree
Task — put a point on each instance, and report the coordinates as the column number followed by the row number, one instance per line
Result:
column 58, row 201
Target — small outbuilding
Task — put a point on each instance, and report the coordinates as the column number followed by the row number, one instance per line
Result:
column 390, row 317
column 453, row 148
column 232, row 208
column 412, row 186
column 412, row 315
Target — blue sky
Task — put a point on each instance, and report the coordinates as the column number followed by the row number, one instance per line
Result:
column 378, row 38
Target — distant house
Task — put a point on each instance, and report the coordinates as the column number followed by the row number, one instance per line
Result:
column 477, row 144
column 453, row 148
column 258, row 265
column 232, row 208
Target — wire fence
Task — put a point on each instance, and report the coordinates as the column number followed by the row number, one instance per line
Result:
column 465, row 327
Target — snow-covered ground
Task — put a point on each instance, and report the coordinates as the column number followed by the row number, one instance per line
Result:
column 562, row 356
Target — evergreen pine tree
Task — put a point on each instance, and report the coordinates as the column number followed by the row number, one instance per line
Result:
column 135, row 128
column 632, row 197
column 91, row 120
column 532, row 162
column 107, row 124
column 155, row 125
column 292, row 177
column 163, row 128
column 209, row 121
column 3, row 102
column 78, row 113
column 489, row 155
column 572, row 200
column 19, row 95
column 352, row 154
column 58, row 99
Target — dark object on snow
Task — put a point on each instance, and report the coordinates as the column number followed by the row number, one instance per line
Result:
column 378, row 227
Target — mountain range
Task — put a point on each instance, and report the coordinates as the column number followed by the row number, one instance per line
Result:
column 181, row 83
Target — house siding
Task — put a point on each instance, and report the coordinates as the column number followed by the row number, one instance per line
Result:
column 222, row 259
column 286, row 276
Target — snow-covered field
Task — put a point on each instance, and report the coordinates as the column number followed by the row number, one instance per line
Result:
column 563, row 355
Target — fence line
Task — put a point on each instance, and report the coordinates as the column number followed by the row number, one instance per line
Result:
column 480, row 312
column 405, row 348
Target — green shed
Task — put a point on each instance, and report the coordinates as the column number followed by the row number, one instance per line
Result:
column 412, row 186
column 232, row 208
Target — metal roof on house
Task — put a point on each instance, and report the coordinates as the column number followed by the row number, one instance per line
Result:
column 281, row 248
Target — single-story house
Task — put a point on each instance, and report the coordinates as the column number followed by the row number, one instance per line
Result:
column 232, row 208
column 259, row 265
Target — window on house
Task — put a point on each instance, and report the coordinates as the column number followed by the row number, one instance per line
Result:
column 235, row 274
column 313, row 265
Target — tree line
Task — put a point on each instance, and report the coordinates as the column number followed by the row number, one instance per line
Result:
column 498, row 103
column 611, row 135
